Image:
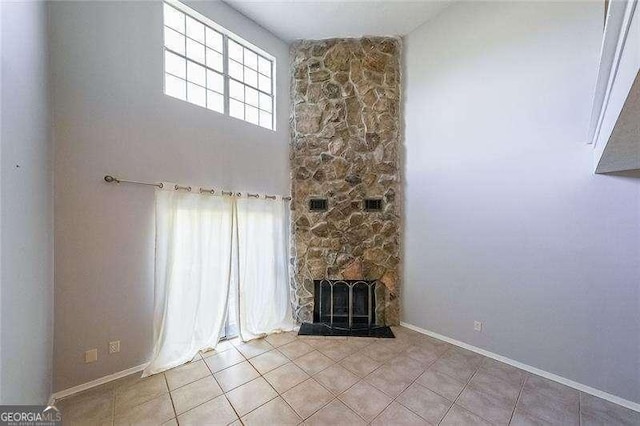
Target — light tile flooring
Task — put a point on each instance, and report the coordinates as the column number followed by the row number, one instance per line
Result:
column 285, row 379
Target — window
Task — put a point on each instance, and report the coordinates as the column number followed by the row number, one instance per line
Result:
column 207, row 65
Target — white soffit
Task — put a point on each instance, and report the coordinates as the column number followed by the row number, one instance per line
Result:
column 302, row 19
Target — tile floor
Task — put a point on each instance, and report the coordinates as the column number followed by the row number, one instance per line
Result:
column 285, row 379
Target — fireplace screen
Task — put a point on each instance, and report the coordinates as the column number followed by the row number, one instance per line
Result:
column 344, row 303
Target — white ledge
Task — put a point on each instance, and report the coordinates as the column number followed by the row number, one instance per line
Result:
column 618, row 23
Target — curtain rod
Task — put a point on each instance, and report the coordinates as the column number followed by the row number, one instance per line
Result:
column 111, row 179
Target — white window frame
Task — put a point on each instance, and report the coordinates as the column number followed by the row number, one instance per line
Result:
column 226, row 35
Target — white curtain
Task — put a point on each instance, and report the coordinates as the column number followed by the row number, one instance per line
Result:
column 204, row 245
column 193, row 270
column 263, row 272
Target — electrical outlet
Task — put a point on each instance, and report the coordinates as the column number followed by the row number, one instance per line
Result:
column 114, row 347
column 477, row 326
column 91, row 355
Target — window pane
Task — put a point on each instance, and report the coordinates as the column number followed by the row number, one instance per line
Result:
column 236, row 90
column 235, row 70
column 250, row 77
column 265, row 83
column 214, row 40
column 265, row 102
column 195, row 51
column 235, row 51
column 195, row 73
column 250, row 59
column 251, row 114
column 236, row 109
column 251, row 96
column 196, row 94
column 264, row 66
column 173, row 40
column 195, row 30
column 175, row 87
column 174, row 64
column 265, row 120
column 205, row 67
column 215, row 81
column 215, row 101
column 214, row 60
column 173, row 18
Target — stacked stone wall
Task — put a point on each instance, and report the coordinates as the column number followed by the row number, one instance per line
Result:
column 345, row 139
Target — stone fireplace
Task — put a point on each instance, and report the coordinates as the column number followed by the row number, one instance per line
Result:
column 344, row 169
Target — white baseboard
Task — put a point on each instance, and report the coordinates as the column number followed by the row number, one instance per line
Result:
column 579, row 386
column 92, row 384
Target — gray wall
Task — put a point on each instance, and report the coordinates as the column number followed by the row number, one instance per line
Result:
column 111, row 117
column 506, row 223
column 26, row 208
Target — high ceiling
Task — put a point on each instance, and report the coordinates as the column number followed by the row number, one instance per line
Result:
column 292, row 20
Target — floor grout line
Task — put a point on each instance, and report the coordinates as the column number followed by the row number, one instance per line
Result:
column 513, row 412
column 226, row 393
column 175, row 413
column 580, row 409
column 278, row 395
column 113, row 409
column 395, row 398
column 463, row 388
column 360, row 379
column 208, row 400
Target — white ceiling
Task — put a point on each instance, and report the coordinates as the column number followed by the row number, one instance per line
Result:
column 302, row 19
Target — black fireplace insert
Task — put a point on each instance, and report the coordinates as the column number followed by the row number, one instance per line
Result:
column 345, row 303
column 345, row 308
